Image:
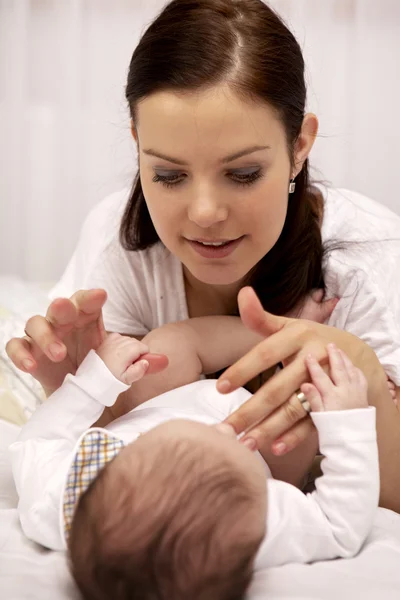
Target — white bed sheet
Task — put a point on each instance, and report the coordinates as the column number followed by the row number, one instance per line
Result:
column 28, row 572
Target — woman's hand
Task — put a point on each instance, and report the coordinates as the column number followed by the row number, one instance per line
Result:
column 56, row 345
column 275, row 412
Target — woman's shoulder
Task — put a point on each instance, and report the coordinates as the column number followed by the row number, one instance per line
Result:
column 361, row 238
column 349, row 215
column 362, row 245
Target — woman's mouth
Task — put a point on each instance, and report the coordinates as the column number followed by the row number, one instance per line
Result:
column 215, row 248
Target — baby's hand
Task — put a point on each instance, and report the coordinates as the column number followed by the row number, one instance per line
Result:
column 346, row 388
column 120, row 354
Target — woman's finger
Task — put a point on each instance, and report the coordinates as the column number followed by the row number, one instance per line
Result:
column 62, row 314
column 43, row 335
column 294, row 437
column 157, row 362
column 89, row 304
column 280, row 421
column 19, row 352
column 266, row 354
column 269, row 397
column 254, row 317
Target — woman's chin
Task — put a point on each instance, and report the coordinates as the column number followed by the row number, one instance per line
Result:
column 217, row 275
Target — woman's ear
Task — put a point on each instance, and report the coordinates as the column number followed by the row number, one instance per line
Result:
column 305, row 141
column 133, row 131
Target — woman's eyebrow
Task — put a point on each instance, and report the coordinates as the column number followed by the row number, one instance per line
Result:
column 225, row 160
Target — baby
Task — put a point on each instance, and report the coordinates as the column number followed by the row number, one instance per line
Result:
column 166, row 503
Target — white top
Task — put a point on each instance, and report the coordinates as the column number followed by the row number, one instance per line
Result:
column 146, row 288
column 333, row 521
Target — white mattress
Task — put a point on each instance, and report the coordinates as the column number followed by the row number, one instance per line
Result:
column 28, row 572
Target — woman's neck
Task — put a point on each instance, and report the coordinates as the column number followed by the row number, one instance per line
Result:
column 204, row 299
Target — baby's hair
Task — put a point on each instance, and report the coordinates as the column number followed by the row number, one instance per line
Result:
column 169, row 524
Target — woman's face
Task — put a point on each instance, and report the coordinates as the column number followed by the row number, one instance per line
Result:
column 215, row 174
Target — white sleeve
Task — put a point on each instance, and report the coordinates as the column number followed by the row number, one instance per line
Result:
column 335, row 520
column 99, row 228
column 369, row 308
column 41, row 456
column 123, row 275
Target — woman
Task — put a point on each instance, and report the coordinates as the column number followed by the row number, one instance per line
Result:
column 222, row 200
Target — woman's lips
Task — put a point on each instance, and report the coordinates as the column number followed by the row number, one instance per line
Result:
column 215, row 251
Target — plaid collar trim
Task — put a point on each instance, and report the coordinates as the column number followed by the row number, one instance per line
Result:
column 94, row 451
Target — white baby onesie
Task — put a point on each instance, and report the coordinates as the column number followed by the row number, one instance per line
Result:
column 331, row 522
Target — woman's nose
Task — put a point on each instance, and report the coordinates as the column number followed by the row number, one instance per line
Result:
column 205, row 210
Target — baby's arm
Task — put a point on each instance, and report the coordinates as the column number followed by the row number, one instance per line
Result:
column 42, row 454
column 335, row 520
column 193, row 347
column 202, row 345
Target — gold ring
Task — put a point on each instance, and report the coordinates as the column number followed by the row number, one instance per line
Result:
column 303, row 401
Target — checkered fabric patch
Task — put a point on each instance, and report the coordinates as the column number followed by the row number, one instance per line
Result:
column 95, row 450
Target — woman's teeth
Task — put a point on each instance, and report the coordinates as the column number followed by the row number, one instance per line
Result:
column 214, row 243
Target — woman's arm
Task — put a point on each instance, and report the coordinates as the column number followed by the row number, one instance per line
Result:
column 279, row 416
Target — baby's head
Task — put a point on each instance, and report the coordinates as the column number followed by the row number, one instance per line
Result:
column 178, row 514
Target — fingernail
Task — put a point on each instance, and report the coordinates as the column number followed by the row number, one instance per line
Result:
column 144, row 363
column 250, row 444
column 224, row 386
column 332, row 346
column 56, row 350
column 27, row 364
column 279, row 448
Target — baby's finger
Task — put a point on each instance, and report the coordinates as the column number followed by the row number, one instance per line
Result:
column 135, row 348
column 339, row 371
column 135, row 372
column 19, row 351
column 318, row 376
column 313, row 396
column 352, row 372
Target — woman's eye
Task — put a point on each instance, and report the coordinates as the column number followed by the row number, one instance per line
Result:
column 245, row 176
column 169, row 180
column 240, row 177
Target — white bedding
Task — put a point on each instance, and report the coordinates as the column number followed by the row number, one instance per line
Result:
column 28, row 572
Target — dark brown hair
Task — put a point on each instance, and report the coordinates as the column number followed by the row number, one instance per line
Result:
column 195, row 44
column 165, row 525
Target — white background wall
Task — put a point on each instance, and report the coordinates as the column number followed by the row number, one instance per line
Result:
column 64, row 126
